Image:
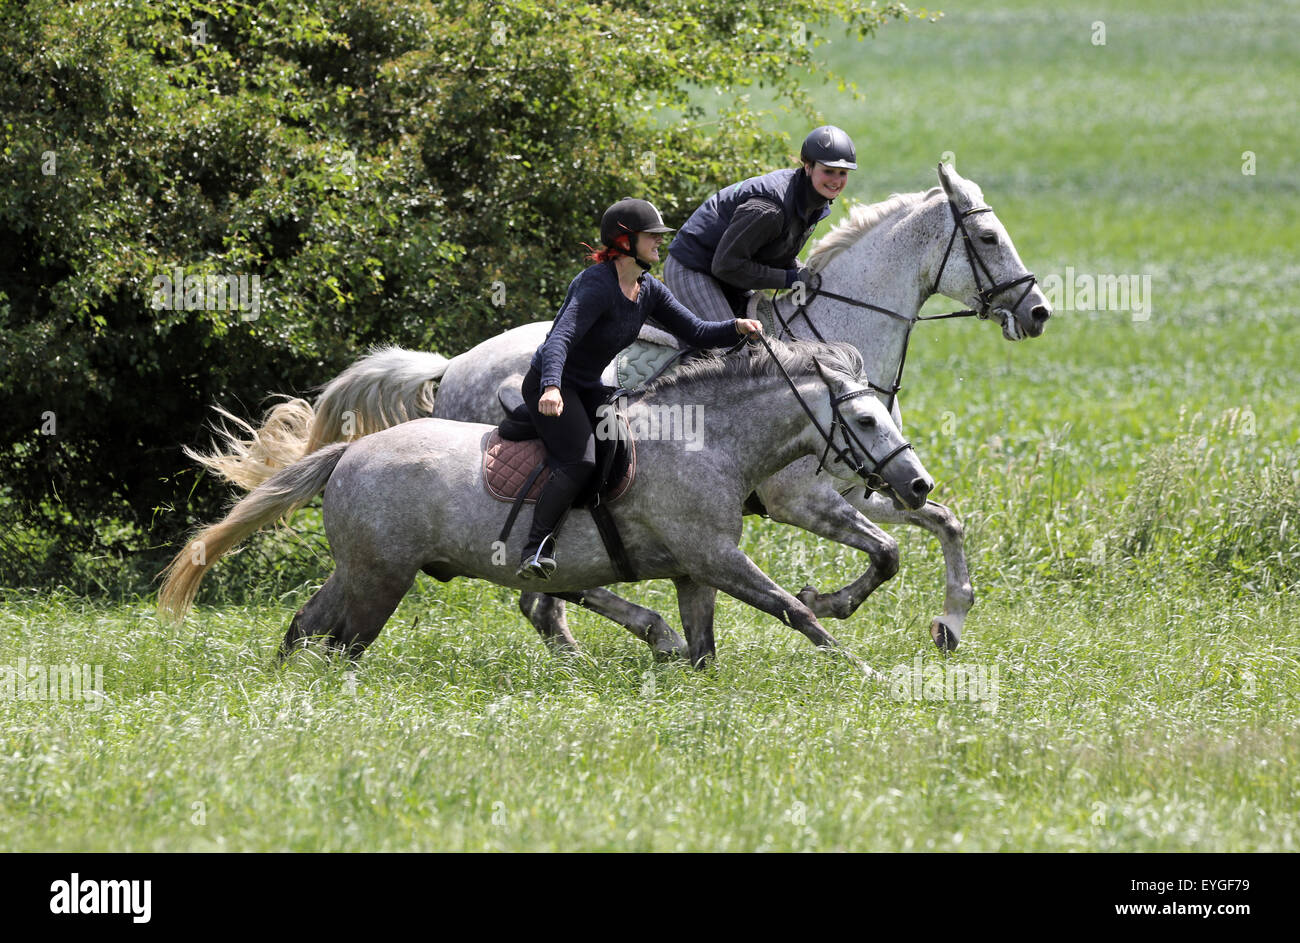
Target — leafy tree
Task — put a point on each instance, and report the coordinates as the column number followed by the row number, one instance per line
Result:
column 368, row 170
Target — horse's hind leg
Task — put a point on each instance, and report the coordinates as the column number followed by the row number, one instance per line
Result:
column 320, row 616
column 645, row 624
column 546, row 613
column 368, row 601
column 348, row 615
column 696, row 602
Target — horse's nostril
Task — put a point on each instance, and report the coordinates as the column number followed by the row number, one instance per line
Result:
column 922, row 486
column 1040, row 313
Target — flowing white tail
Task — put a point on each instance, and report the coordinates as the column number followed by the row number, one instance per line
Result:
column 285, row 491
column 388, row 386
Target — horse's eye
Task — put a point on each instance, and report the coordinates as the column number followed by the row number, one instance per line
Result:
column 989, row 238
column 867, row 422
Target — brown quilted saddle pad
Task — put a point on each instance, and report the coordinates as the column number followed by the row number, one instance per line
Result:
column 507, row 465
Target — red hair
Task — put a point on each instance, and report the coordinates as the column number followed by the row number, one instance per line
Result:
column 622, row 246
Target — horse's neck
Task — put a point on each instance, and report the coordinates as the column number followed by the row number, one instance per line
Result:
column 758, row 449
column 887, row 267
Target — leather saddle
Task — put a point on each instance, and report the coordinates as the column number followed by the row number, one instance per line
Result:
column 513, row 453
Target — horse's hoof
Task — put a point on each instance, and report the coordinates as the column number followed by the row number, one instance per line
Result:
column 704, row 662
column 666, row 650
column 834, row 606
column 871, row 674
column 945, row 636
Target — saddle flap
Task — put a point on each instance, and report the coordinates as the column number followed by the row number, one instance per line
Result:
column 508, row 463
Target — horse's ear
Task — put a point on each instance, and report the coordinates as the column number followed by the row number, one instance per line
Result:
column 946, row 181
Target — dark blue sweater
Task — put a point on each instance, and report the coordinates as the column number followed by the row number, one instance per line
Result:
column 597, row 320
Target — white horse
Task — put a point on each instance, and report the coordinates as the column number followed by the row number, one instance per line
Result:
column 877, row 269
column 411, row 498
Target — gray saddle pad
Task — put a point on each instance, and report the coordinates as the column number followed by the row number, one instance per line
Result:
column 639, row 362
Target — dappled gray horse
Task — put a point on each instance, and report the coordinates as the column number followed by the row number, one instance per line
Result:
column 411, row 499
column 893, row 255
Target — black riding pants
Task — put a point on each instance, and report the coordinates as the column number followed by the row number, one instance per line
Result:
column 570, row 440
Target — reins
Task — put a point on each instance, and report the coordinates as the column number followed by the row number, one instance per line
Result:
column 849, row 454
column 985, row 296
column 862, row 462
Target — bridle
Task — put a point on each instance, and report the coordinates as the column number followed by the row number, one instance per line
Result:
column 984, row 295
column 854, row 453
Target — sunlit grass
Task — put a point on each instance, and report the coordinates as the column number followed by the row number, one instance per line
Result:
column 1129, row 490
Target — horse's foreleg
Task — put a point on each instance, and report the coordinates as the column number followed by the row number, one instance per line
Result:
column 728, row 569
column 645, row 624
column 939, row 520
column 696, row 602
column 546, row 613
column 826, row 513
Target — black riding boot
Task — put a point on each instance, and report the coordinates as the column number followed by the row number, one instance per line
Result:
column 548, row 514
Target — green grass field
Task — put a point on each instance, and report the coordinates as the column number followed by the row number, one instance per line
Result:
column 1131, row 493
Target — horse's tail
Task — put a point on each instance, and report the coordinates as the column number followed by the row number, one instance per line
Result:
column 284, row 492
column 388, row 386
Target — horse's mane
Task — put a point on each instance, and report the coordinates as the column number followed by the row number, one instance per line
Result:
column 753, row 361
column 862, row 217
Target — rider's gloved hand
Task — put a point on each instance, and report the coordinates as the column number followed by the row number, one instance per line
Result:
column 802, row 274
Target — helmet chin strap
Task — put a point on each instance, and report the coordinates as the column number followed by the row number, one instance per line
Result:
column 632, row 252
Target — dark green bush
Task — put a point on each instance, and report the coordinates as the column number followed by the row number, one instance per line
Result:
column 388, row 171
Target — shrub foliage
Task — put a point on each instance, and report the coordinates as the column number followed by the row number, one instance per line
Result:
column 373, row 170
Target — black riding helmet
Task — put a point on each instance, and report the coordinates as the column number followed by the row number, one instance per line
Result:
column 829, row 145
column 628, row 217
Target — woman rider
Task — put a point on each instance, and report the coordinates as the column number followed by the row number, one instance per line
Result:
column 606, row 305
column 748, row 236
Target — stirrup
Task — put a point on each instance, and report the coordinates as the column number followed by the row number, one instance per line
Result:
column 540, row 565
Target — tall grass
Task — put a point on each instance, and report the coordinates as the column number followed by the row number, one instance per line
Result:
column 1130, row 493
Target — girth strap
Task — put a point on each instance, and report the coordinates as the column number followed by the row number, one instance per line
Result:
column 604, row 521
column 613, row 542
